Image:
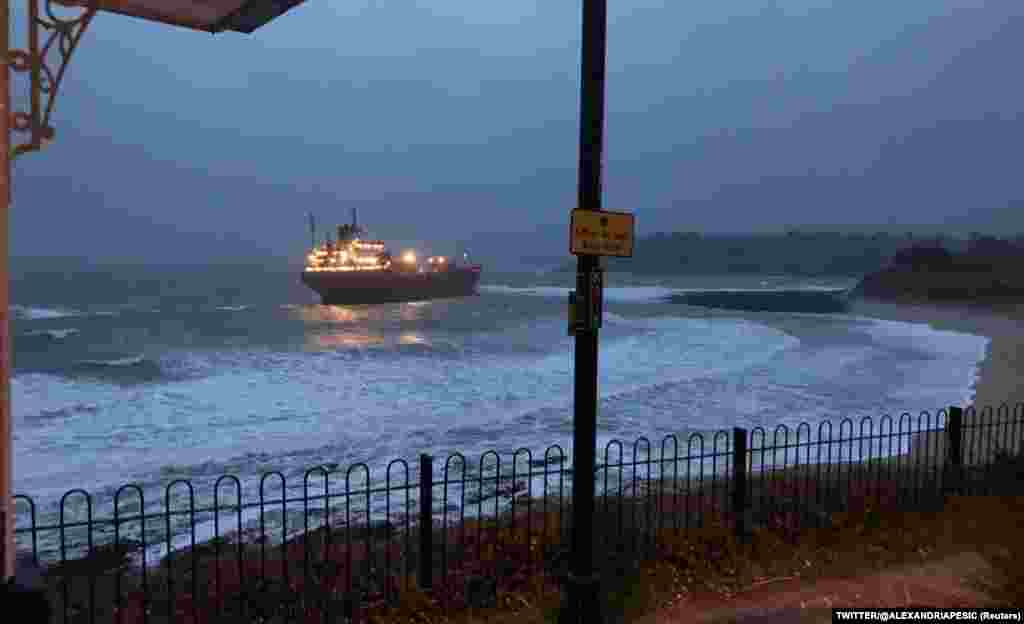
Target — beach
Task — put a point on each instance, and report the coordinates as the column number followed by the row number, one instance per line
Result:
column 1001, row 371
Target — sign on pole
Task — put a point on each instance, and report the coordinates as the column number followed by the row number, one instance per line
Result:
column 601, row 233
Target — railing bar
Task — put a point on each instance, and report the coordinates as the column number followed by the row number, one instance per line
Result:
column 982, row 429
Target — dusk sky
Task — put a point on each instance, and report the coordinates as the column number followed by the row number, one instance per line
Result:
column 441, row 119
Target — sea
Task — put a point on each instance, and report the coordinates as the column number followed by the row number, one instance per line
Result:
column 152, row 376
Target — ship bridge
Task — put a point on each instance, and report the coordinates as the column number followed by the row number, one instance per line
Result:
column 349, row 255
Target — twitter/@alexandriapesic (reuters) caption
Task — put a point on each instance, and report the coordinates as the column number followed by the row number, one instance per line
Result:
column 927, row 615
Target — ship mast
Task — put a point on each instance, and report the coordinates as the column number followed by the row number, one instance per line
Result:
column 312, row 230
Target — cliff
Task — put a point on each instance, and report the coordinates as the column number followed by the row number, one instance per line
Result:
column 989, row 270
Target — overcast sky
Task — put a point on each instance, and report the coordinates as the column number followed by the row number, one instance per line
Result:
column 439, row 119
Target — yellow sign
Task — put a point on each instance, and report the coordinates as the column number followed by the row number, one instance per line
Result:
column 600, row 233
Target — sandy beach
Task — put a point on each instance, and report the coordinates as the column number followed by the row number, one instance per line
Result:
column 1001, row 374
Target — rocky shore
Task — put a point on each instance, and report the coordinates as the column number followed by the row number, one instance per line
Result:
column 930, row 273
column 905, row 284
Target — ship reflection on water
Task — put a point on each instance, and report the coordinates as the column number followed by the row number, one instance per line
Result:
column 356, row 339
column 412, row 339
column 316, row 313
column 362, row 326
column 331, row 314
column 414, row 310
column 345, row 340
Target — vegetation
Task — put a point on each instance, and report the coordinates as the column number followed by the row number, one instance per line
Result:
column 987, row 268
column 497, row 572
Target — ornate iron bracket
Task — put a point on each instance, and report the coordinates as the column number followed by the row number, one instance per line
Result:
column 62, row 35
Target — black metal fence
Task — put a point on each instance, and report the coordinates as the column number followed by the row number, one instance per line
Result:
column 461, row 532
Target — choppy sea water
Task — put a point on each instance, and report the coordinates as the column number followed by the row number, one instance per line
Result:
column 154, row 389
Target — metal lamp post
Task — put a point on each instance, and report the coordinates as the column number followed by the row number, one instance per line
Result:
column 583, row 582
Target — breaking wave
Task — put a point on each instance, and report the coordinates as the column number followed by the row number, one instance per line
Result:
column 118, row 362
column 629, row 294
column 35, row 313
column 53, row 334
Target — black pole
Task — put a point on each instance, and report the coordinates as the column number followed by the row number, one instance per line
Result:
column 739, row 482
column 954, row 450
column 426, row 580
column 582, row 585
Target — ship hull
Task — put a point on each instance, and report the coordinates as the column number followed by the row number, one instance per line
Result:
column 358, row 287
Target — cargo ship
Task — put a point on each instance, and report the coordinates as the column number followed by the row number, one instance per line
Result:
column 354, row 270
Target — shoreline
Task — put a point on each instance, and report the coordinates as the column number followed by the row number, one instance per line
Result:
column 999, row 372
column 997, row 378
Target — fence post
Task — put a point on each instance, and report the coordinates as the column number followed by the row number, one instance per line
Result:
column 426, row 521
column 739, row 480
column 954, row 449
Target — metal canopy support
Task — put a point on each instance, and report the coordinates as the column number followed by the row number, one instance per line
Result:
column 6, row 450
column 62, row 35
column 583, row 582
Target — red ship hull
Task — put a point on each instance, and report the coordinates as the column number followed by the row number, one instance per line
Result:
column 357, row 287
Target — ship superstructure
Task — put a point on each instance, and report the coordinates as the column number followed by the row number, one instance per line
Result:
column 349, row 253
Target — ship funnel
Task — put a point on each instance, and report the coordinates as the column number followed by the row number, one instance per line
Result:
column 355, row 224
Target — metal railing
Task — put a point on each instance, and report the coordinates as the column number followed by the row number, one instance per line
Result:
column 461, row 532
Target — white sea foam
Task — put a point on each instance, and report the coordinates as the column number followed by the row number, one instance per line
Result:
column 239, row 404
column 237, row 407
column 611, row 317
column 801, row 288
column 651, row 294
column 36, row 313
column 348, row 405
column 625, row 294
column 238, row 308
column 44, row 313
column 55, row 334
column 953, row 357
column 116, row 362
column 821, row 288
